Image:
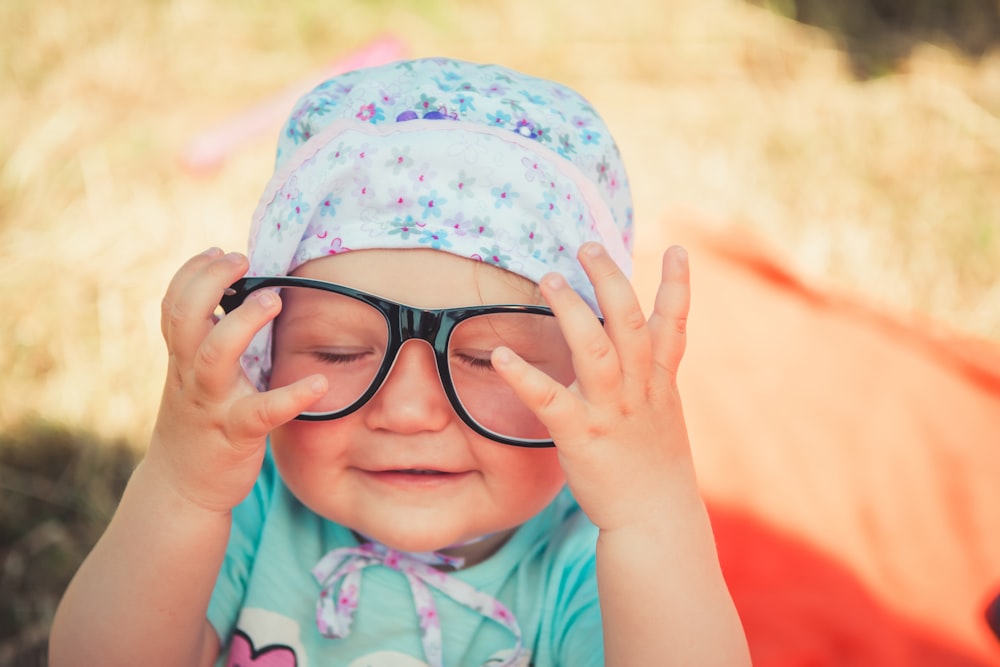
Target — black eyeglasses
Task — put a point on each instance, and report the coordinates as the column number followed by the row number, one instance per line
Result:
column 354, row 338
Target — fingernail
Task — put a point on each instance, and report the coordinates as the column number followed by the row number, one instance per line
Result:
column 234, row 257
column 682, row 255
column 554, row 281
column 502, row 356
column 593, row 250
column 212, row 252
column 265, row 297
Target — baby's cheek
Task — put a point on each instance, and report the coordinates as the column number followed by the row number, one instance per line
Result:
column 534, row 475
column 306, row 452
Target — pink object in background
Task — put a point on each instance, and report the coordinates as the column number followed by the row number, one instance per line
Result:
column 207, row 151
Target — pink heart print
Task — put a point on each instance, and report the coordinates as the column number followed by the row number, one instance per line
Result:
column 243, row 654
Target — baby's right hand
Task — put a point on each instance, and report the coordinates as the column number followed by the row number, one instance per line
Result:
column 210, row 434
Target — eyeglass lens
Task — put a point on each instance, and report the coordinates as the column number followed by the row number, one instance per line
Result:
column 347, row 339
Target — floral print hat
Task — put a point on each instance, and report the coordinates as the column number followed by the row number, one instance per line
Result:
column 475, row 160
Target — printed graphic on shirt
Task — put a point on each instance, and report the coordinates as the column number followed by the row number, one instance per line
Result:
column 265, row 639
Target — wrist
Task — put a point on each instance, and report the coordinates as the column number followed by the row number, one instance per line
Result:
column 206, row 472
column 156, row 483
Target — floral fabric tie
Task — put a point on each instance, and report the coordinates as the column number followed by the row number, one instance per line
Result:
column 339, row 574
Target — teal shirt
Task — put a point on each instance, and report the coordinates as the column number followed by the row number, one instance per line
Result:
column 264, row 602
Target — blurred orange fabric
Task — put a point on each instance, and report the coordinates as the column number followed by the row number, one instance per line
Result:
column 850, row 459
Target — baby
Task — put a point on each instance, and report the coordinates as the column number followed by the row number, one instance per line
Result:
column 433, row 426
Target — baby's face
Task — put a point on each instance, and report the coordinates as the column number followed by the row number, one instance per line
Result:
column 405, row 469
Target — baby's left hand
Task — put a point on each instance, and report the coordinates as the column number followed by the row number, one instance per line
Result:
column 619, row 427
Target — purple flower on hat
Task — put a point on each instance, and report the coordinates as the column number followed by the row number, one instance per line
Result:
column 532, row 169
column 475, row 227
column 400, row 198
column 423, row 175
column 458, row 223
column 613, row 183
column 361, row 156
column 441, row 113
column 494, row 89
column 526, row 128
column 364, row 194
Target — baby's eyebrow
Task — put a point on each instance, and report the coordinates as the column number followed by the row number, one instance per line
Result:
column 314, row 319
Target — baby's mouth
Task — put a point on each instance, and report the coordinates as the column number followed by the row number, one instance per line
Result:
column 417, row 475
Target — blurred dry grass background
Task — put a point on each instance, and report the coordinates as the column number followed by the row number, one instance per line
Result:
column 875, row 170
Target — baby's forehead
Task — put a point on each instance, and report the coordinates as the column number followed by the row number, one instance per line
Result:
column 422, row 277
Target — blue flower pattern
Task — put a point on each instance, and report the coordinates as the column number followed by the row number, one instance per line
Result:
column 431, row 204
column 505, row 195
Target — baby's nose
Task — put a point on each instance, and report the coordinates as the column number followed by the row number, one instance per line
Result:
column 412, row 399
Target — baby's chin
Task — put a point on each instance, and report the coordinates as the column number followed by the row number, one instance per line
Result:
column 472, row 549
column 413, row 541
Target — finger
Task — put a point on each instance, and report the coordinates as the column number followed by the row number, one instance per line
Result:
column 595, row 360
column 256, row 415
column 216, row 363
column 553, row 404
column 668, row 323
column 190, row 316
column 179, row 282
column 624, row 321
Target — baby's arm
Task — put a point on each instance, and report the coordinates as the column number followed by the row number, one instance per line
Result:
column 623, row 444
column 141, row 596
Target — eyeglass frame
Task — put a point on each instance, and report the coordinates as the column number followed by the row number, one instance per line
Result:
column 403, row 323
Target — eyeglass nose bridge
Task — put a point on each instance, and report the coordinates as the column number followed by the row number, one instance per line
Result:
column 412, row 322
column 408, row 323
